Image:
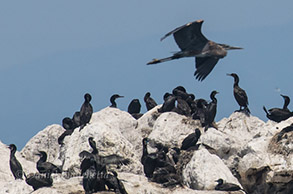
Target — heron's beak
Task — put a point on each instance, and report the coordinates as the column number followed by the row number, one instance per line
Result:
column 233, row 48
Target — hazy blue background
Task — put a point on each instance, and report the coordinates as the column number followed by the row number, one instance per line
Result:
column 53, row 52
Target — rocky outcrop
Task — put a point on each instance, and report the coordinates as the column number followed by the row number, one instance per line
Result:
column 243, row 150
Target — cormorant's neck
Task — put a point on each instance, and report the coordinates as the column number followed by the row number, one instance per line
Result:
column 43, row 158
column 114, row 105
column 286, row 103
column 144, row 149
column 213, row 98
column 12, row 152
column 236, row 81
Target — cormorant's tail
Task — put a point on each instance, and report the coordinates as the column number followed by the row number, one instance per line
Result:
column 155, row 61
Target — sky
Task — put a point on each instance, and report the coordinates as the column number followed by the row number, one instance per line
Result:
column 53, row 52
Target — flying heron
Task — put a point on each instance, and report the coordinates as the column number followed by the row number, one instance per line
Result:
column 194, row 44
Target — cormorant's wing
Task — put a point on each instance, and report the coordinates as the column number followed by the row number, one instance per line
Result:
column 85, row 154
column 114, row 159
column 204, row 65
column 189, row 36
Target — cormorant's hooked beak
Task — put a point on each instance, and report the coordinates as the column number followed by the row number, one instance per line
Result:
column 229, row 74
column 38, row 154
column 120, row 97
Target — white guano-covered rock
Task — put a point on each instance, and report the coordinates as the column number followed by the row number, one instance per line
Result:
column 204, row 169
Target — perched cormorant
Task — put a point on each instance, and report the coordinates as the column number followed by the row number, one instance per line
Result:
column 101, row 161
column 92, row 181
column 211, row 111
column 46, row 167
column 240, row 94
column 86, row 111
column 180, row 91
column 113, row 183
column 134, row 108
column 190, row 141
column 15, row 166
column 200, row 109
column 148, row 160
column 283, row 131
column 38, row 180
column 169, row 103
column 182, row 107
column 76, row 119
column 193, row 43
column 68, row 125
column 221, row 186
column 279, row 114
column 149, row 101
column 113, row 98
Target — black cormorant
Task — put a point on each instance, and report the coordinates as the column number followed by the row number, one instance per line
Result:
column 39, row 180
column 169, row 103
column 148, row 160
column 221, row 186
column 211, row 111
column 240, row 94
column 76, row 119
column 113, row 183
column 199, row 110
column 15, row 166
column 68, row 125
column 134, row 108
column 92, row 179
column 190, row 141
column 46, row 167
column 86, row 111
column 193, row 43
column 149, row 101
column 279, row 114
column 113, row 98
column 283, row 131
column 181, row 92
column 101, row 161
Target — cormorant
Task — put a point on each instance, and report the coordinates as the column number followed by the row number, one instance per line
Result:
column 279, row 114
column 169, row 103
column 76, row 119
column 101, row 161
column 180, row 91
column 15, row 166
column 38, row 180
column 226, row 186
column 113, row 183
column 134, row 108
column 199, row 110
column 211, row 111
column 68, row 125
column 240, row 94
column 92, row 181
column 148, row 160
column 182, row 107
column 190, row 141
column 283, row 131
column 113, row 98
column 193, row 43
column 149, row 101
column 46, row 167
column 86, row 111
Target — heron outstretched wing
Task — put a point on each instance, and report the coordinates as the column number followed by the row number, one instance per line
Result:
column 189, row 36
column 204, row 65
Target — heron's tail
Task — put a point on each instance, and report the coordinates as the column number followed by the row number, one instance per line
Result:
column 155, row 61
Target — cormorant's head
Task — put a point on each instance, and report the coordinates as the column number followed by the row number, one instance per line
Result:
column 197, row 132
column 145, row 141
column 213, row 94
column 67, row 123
column 220, row 181
column 87, row 97
column 235, row 76
column 147, row 95
column 115, row 96
column 42, row 154
column 286, row 98
column 12, row 147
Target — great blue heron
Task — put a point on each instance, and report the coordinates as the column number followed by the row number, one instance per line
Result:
column 194, row 44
